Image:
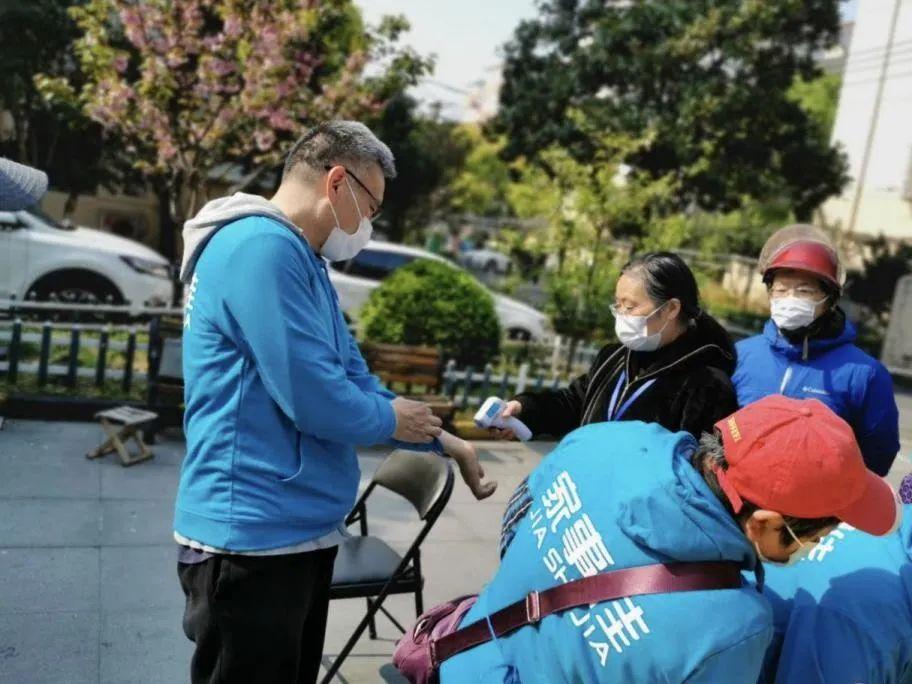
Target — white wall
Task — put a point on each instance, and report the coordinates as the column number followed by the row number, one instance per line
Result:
column 882, row 207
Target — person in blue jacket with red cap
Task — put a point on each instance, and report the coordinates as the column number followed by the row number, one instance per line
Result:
column 844, row 614
column 773, row 478
column 807, row 347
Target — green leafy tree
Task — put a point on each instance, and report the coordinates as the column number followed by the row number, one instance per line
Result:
column 875, row 284
column 192, row 84
column 590, row 208
column 819, row 97
column 429, row 153
column 709, row 80
column 480, row 188
column 37, row 37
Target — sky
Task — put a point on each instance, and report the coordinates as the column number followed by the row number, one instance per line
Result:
column 465, row 36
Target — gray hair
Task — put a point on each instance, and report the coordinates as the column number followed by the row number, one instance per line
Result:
column 349, row 143
column 709, row 456
column 711, row 450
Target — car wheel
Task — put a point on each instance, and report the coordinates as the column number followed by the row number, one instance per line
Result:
column 491, row 267
column 75, row 287
column 519, row 334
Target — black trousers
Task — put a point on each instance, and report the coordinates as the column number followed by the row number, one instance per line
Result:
column 257, row 618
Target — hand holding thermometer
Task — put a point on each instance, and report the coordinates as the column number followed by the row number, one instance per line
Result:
column 488, row 416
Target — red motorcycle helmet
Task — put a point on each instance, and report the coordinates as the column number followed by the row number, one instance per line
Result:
column 802, row 247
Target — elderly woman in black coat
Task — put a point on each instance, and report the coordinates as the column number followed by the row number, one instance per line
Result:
column 673, row 364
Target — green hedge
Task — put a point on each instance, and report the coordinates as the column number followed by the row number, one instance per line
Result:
column 430, row 303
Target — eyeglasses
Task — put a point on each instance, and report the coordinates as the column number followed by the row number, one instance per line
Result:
column 625, row 311
column 801, row 291
column 375, row 212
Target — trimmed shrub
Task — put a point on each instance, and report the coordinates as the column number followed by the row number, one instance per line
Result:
column 431, row 303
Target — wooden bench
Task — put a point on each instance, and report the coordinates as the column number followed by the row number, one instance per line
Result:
column 410, row 367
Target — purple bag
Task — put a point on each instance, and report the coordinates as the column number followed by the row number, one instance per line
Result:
column 437, row 634
column 412, row 656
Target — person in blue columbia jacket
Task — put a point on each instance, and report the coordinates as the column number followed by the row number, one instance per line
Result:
column 807, row 350
column 277, row 397
column 618, row 495
column 843, row 615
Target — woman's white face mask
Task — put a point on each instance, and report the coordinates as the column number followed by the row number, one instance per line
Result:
column 632, row 332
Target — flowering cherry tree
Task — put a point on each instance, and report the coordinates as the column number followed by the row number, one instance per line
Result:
column 188, row 85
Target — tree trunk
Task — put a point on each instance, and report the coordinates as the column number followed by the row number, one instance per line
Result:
column 69, row 207
column 167, row 234
column 571, row 352
column 166, row 225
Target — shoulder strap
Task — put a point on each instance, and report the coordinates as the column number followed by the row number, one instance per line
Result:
column 649, row 579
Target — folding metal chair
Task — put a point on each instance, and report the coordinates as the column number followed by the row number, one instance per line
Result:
column 367, row 567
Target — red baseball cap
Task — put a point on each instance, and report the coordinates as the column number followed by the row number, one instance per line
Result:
column 798, row 458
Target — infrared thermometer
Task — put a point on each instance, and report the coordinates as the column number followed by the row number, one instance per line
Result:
column 488, row 416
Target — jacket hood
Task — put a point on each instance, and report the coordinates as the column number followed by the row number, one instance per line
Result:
column 215, row 214
column 676, row 514
column 663, row 503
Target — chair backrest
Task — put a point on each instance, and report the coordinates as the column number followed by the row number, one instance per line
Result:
column 411, row 365
column 172, row 359
column 166, row 349
column 424, row 480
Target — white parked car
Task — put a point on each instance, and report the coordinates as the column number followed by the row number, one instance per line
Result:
column 487, row 260
column 355, row 279
column 43, row 259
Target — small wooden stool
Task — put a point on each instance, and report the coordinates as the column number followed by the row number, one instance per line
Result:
column 120, row 425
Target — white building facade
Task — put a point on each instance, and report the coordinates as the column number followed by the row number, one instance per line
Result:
column 874, row 125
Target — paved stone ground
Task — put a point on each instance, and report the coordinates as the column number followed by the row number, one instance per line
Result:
column 88, row 587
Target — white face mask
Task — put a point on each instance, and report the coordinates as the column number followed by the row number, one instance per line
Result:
column 631, row 331
column 804, row 548
column 792, row 313
column 341, row 246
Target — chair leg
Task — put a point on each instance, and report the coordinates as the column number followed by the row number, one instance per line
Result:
column 347, row 649
column 372, row 625
column 419, row 593
column 419, row 601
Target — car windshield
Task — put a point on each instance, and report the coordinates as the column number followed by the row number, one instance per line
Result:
column 373, row 264
column 44, row 218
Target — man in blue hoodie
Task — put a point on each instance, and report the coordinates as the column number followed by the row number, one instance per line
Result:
column 277, row 398
column 844, row 614
column 807, row 347
column 773, row 479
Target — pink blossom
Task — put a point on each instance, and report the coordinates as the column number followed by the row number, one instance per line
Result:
column 264, row 139
column 222, row 67
column 233, row 26
column 281, row 121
